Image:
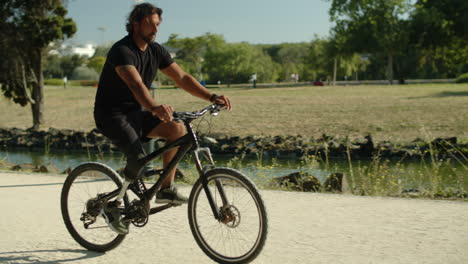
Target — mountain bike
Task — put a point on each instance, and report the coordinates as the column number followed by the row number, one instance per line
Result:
column 227, row 215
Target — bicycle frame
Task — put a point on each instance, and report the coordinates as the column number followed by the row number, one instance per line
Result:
column 186, row 143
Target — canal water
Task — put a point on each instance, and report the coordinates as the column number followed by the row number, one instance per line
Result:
column 379, row 177
column 252, row 166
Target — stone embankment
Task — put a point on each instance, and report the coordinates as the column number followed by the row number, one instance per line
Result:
column 273, row 146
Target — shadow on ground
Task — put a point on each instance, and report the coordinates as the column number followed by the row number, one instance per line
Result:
column 47, row 256
column 443, row 94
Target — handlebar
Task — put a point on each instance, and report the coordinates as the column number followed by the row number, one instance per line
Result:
column 190, row 116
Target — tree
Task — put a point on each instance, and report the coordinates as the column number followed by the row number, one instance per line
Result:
column 439, row 22
column 439, row 31
column 26, row 29
column 97, row 63
column 290, row 57
column 319, row 60
column 52, row 66
column 70, row 62
column 192, row 50
column 377, row 26
column 237, row 62
column 102, row 50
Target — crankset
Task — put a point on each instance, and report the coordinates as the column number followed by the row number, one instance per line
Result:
column 138, row 213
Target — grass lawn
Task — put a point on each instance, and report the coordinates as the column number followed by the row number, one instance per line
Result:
column 395, row 113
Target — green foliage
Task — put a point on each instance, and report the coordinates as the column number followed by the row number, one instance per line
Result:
column 26, row 29
column 70, row 63
column 462, row 78
column 237, row 62
column 190, row 51
column 416, row 39
column 84, row 73
column 377, row 26
column 102, row 50
column 55, row 82
column 53, row 67
column 289, row 58
column 97, row 63
column 318, row 60
column 56, row 66
column 438, row 23
column 93, row 83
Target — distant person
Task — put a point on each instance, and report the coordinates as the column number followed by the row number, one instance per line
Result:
column 124, row 110
column 65, row 80
column 254, row 80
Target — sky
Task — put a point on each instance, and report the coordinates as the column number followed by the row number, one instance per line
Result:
column 253, row 21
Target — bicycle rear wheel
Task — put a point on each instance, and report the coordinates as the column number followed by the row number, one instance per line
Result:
column 241, row 233
column 80, row 211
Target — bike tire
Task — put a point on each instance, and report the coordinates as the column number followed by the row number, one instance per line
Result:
column 93, row 173
column 233, row 182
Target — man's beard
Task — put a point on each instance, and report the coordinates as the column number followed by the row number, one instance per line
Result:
column 148, row 39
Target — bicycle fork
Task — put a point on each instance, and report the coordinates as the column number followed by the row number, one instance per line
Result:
column 217, row 212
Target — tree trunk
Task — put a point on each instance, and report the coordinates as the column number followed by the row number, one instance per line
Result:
column 37, row 92
column 390, row 68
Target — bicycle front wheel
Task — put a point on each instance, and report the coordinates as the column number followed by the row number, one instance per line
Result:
column 81, row 210
column 240, row 233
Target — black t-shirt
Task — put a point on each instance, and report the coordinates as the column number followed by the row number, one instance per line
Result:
column 113, row 95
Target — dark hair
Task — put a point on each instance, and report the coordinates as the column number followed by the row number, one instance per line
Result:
column 140, row 12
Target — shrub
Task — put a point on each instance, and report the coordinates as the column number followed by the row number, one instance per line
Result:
column 89, row 83
column 462, row 78
column 84, row 73
column 53, row 82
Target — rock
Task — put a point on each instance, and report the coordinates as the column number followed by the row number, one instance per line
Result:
column 53, row 132
column 24, row 166
column 300, row 181
column 278, row 140
column 336, row 182
column 411, row 193
column 312, row 185
column 41, row 168
column 16, row 167
column 444, row 144
column 293, row 178
column 179, row 175
column 67, row 171
column 367, row 148
column 48, row 168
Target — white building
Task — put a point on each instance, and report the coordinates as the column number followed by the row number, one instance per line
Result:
column 86, row 50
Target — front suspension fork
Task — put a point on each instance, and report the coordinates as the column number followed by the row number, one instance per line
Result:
column 202, row 170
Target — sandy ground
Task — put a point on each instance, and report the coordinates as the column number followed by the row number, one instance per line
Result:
column 304, row 228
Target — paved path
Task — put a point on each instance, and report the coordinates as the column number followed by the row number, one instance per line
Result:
column 304, row 228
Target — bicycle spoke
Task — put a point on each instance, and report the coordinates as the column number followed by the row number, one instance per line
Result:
column 239, row 233
column 79, row 195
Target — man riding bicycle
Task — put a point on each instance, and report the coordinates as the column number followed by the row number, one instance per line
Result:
column 124, row 110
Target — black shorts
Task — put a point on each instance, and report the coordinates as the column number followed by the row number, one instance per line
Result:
column 126, row 129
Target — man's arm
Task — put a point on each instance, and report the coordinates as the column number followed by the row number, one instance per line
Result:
column 131, row 77
column 192, row 86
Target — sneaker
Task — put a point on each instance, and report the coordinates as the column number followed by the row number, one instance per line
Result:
column 170, row 195
column 112, row 217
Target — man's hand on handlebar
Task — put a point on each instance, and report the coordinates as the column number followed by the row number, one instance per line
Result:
column 221, row 100
column 163, row 112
